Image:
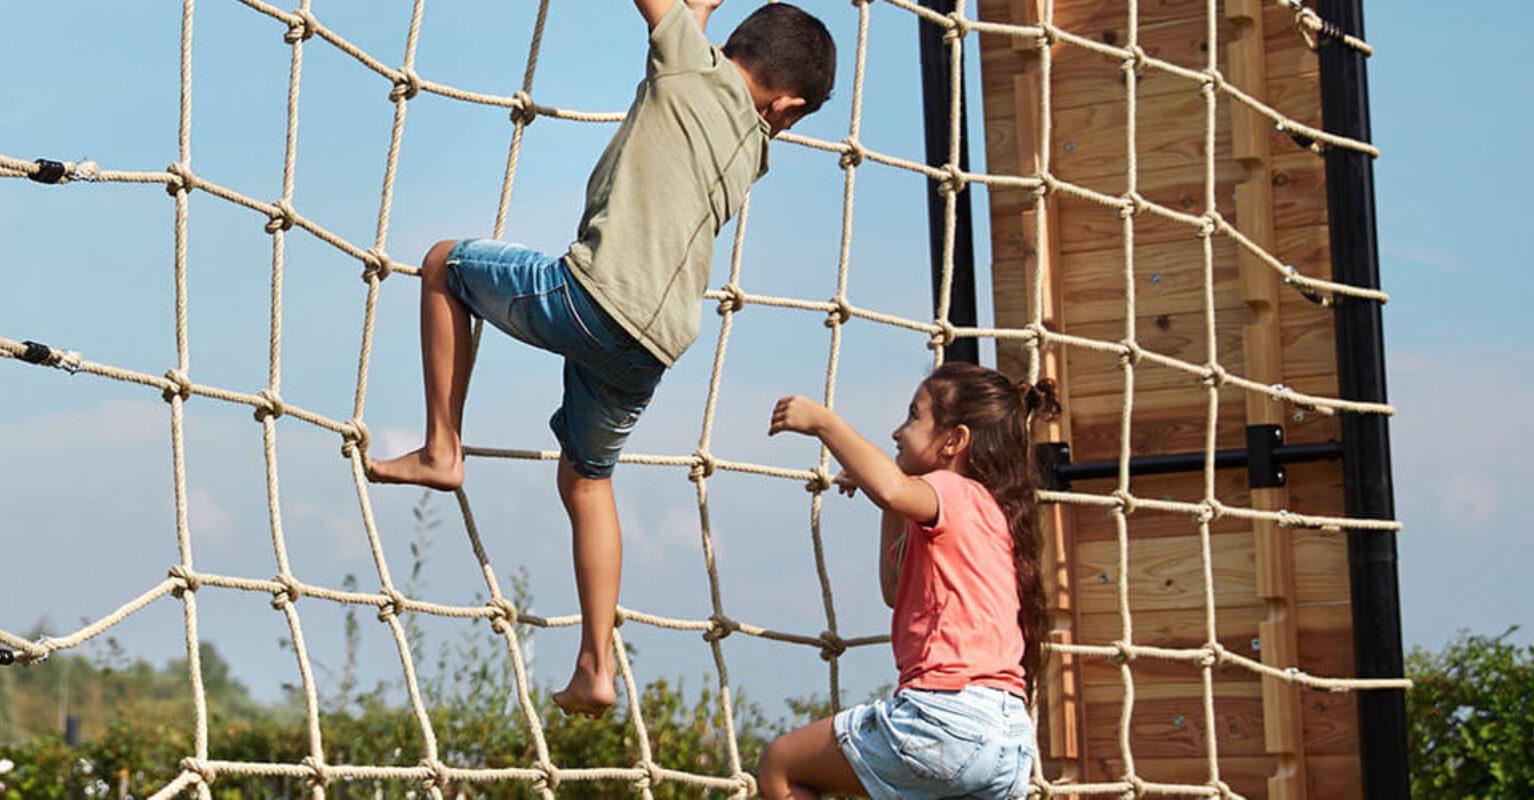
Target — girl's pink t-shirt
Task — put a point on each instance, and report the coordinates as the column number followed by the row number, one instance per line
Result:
column 956, row 603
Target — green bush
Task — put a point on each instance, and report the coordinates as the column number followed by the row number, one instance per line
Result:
column 1471, row 712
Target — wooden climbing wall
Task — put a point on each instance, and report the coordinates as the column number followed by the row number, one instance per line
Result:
column 1281, row 595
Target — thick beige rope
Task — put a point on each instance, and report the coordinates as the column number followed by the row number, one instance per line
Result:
column 200, row 771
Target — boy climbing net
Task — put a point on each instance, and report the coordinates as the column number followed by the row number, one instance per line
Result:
column 623, row 304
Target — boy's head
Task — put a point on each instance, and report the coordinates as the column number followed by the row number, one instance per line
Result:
column 790, row 56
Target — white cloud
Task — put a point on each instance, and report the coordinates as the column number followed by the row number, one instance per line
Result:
column 397, row 442
column 1427, row 258
column 206, row 515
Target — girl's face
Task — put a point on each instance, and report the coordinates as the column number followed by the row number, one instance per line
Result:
column 918, row 442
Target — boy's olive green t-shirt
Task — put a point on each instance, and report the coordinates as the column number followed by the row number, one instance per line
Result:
column 675, row 172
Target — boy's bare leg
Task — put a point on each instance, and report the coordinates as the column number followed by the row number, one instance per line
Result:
column 598, row 549
column 445, row 365
column 806, row 763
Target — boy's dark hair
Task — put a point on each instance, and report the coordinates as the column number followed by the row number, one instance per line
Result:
column 786, row 49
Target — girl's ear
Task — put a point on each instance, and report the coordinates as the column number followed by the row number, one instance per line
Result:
column 958, row 440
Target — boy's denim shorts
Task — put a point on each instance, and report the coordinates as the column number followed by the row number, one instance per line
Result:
column 609, row 377
column 977, row 742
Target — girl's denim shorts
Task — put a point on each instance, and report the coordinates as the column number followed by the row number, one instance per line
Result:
column 977, row 743
column 608, row 378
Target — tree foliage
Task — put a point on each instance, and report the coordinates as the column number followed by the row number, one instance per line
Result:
column 1471, row 716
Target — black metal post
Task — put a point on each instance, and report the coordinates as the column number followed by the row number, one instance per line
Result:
column 936, row 76
column 1365, row 437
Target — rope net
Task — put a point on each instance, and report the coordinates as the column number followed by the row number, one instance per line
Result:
column 200, row 771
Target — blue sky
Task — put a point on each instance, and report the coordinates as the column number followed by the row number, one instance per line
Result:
column 85, row 483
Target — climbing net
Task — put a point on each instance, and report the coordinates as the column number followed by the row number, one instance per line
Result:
column 200, row 771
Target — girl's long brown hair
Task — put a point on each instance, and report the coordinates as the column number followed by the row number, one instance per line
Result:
column 997, row 412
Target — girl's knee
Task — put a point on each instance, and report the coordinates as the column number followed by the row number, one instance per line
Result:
column 434, row 265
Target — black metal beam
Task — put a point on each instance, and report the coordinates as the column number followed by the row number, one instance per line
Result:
column 1377, row 650
column 936, row 76
column 1058, row 471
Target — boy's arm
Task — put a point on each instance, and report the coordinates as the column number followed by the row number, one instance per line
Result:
column 891, row 527
column 653, row 10
column 867, row 465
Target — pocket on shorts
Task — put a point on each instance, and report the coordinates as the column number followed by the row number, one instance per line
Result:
column 547, row 319
column 936, row 740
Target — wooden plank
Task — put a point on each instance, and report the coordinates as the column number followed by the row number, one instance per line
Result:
column 1165, row 573
column 1089, row 226
column 1332, row 777
column 1313, row 489
column 1325, row 631
column 1308, row 350
column 1168, row 279
column 1090, row 144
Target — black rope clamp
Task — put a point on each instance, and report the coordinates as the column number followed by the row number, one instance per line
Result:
column 48, row 171
column 37, row 353
column 7, row 658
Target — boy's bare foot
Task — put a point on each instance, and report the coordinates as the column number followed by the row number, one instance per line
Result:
column 419, row 467
column 589, row 694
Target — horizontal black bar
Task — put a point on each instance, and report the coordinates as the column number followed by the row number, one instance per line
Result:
column 1193, row 462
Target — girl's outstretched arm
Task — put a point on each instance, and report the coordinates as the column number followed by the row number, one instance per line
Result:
column 868, row 466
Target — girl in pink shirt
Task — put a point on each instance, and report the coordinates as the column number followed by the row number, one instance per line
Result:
column 959, row 564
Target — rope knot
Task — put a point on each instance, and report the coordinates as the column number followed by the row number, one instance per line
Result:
column 831, row 645
column 954, row 181
column 205, row 772
column 1138, row 785
column 1123, row 502
column 703, row 465
column 186, row 580
column 182, row 179
column 720, row 626
column 318, row 774
column 1210, row 510
column 355, row 438
column 1131, row 354
column 392, row 606
column 746, row 779
column 652, row 775
column 180, row 386
column 1126, row 652
column 286, row 593
column 1039, row 333
column 1292, row 675
column 820, row 481
column 376, row 265
column 1134, row 205
column 1225, row 791
column 301, row 27
column 733, row 301
column 525, row 110
column 438, row 779
column 852, row 152
column 407, row 85
column 282, row 217
column 1211, row 80
column 1135, row 61
column 1216, row 653
column 1214, row 376
column 1207, row 225
column 505, row 616
column 840, row 314
column 945, row 334
column 549, row 780
column 270, row 405
column 958, row 28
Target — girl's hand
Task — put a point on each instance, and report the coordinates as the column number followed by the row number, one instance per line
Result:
column 845, row 485
column 797, row 414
